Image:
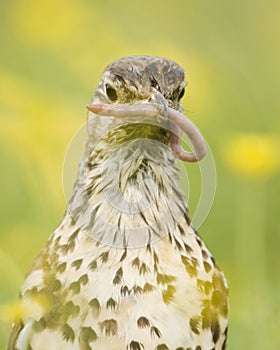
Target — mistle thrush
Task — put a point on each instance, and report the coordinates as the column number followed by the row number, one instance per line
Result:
column 125, row 269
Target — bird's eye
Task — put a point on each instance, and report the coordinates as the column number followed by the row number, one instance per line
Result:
column 182, row 93
column 111, row 93
column 154, row 84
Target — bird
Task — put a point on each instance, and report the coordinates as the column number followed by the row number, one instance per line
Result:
column 125, row 269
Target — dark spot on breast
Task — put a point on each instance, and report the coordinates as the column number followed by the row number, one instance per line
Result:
column 83, row 279
column 63, row 249
column 190, row 268
column 110, row 327
column 207, row 314
column 198, row 348
column 204, row 254
column 155, row 332
column 125, row 291
column 137, row 290
column 95, row 305
column 75, row 287
column 135, row 262
column 165, row 279
column 57, row 240
column 181, row 230
column 118, row 276
column 134, row 345
column 104, row 256
column 70, row 309
column 148, row 247
column 46, row 265
column 168, row 294
column 53, row 319
column 204, row 286
column 195, row 262
column 39, row 326
column 162, row 347
column 61, row 267
column 87, row 334
column 194, row 324
column 123, row 255
column 93, row 265
column 143, row 322
column 72, row 222
column 156, row 260
column 215, row 329
column 217, row 298
column 77, row 263
column 219, row 283
column 144, row 269
column 68, row 333
column 178, row 245
column 111, row 303
column 148, row 287
column 70, row 246
column 53, row 285
column 207, row 266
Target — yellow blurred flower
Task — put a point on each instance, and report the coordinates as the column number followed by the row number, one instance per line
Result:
column 35, row 133
column 24, row 309
column 252, row 155
column 49, row 23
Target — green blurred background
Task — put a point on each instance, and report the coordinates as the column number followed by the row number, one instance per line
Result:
column 52, row 56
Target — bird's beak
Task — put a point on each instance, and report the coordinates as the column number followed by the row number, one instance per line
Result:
column 160, row 102
column 158, row 107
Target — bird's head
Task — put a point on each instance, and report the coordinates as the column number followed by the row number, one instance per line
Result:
column 144, row 91
column 142, row 79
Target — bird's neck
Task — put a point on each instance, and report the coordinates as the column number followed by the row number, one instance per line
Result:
column 126, row 193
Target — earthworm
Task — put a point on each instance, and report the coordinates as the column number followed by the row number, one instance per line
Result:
column 177, row 120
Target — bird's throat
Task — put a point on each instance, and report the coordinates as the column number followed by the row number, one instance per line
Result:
column 127, row 193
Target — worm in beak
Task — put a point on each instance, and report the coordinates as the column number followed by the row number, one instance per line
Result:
column 178, row 123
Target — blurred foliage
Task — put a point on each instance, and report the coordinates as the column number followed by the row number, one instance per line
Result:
column 52, row 55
